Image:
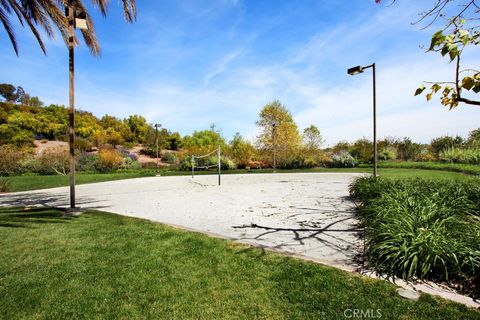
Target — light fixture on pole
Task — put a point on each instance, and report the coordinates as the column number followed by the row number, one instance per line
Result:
column 354, row 71
column 157, row 125
column 75, row 18
column 274, row 133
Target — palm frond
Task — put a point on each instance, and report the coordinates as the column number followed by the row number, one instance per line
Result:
column 8, row 28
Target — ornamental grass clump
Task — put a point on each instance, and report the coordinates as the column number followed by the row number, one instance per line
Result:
column 422, row 229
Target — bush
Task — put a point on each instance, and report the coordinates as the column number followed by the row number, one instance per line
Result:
column 53, row 161
column 129, row 163
column 10, row 160
column 86, row 162
column 83, row 145
column 170, row 157
column 4, row 184
column 425, row 157
column 108, row 159
column 421, row 229
column 388, row 153
column 343, row 159
column 460, row 155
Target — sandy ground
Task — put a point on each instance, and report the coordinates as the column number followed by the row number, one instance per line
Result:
column 307, row 214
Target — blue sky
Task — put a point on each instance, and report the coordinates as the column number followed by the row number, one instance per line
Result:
column 187, row 64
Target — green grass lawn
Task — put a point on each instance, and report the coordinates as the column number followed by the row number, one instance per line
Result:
column 23, row 183
column 106, row 266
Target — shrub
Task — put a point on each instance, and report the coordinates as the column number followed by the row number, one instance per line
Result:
column 388, row 153
column 109, row 159
column 129, row 163
column 460, row 155
column 343, row 159
column 421, row 229
column 86, row 162
column 83, row 145
column 170, row 157
column 10, row 160
column 227, row 164
column 425, row 157
column 4, row 184
column 51, row 161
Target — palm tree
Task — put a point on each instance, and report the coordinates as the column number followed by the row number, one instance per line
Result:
column 49, row 13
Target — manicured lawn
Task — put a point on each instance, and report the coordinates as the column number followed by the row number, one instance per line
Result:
column 105, row 266
column 23, row 183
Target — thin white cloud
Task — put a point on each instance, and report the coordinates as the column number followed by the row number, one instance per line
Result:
column 221, row 66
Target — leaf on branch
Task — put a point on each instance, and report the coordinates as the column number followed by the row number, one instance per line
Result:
column 476, row 88
column 446, row 91
column 429, row 96
column 420, row 90
column 437, row 39
column 453, row 51
column 436, row 87
column 464, row 36
column 468, row 83
column 445, row 50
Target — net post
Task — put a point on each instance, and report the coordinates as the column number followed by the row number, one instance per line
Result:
column 193, row 164
column 219, row 164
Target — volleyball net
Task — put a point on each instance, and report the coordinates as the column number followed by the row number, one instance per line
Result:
column 202, row 162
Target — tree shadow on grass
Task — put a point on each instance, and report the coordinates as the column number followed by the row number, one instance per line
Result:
column 27, row 217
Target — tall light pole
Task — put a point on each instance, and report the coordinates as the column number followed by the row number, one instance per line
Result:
column 76, row 18
column 157, row 125
column 274, row 129
column 356, row 70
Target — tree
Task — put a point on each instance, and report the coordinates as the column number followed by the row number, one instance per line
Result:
column 473, row 140
column 451, row 41
column 341, row 146
column 452, row 44
column 138, row 127
column 203, row 141
column 241, row 150
column 278, row 133
column 8, row 92
column 114, row 124
column 35, row 102
column 45, row 13
column 406, row 149
column 312, row 138
column 362, row 150
column 440, row 144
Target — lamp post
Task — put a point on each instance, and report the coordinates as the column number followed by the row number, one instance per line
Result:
column 157, row 125
column 274, row 128
column 354, row 71
column 76, row 18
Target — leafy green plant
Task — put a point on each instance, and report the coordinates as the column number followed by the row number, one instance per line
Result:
column 460, row 155
column 421, row 229
column 387, row 153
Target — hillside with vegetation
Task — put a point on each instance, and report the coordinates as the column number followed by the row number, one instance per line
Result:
column 28, row 129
